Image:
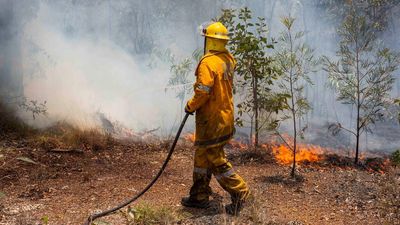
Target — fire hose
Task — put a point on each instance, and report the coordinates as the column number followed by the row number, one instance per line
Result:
column 134, row 198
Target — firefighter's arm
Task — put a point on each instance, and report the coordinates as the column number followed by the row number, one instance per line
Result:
column 202, row 87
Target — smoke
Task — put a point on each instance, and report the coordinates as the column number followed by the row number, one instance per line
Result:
column 89, row 57
column 83, row 72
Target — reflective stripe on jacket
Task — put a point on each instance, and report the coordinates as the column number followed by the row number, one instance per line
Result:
column 213, row 99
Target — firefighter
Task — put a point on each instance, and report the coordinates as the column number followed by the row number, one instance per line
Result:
column 213, row 104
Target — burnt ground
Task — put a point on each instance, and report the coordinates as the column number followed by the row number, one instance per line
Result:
column 65, row 187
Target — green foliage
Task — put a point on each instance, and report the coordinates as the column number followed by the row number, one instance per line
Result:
column 145, row 214
column 45, row 220
column 179, row 79
column 181, row 75
column 395, row 158
column 296, row 60
column 377, row 12
column 363, row 76
column 255, row 70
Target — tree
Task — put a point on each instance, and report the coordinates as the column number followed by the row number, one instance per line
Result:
column 296, row 60
column 181, row 70
column 378, row 12
column 254, row 68
column 363, row 75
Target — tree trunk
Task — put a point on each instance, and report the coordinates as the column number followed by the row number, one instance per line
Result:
column 251, row 130
column 293, row 110
column 358, row 105
column 255, row 98
column 293, row 173
column 357, row 143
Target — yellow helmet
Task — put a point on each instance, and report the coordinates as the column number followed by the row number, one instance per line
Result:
column 216, row 30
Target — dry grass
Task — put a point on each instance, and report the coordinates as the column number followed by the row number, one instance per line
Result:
column 60, row 135
column 146, row 214
column 91, row 139
column 65, row 136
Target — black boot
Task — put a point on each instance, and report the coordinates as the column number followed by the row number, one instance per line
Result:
column 235, row 207
column 189, row 202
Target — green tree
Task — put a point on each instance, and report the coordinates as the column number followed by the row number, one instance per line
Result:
column 395, row 158
column 180, row 80
column 363, row 75
column 378, row 12
column 296, row 60
column 254, row 68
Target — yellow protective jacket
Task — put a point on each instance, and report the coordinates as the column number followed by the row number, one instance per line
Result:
column 213, row 99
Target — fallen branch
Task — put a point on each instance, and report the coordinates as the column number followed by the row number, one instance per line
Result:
column 149, row 131
column 61, row 150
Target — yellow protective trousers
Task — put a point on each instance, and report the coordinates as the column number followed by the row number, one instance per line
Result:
column 208, row 161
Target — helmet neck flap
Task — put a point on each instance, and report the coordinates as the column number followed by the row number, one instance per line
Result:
column 213, row 44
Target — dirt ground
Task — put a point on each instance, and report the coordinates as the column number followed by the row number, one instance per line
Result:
column 64, row 188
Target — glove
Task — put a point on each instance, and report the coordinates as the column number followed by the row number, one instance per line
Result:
column 187, row 110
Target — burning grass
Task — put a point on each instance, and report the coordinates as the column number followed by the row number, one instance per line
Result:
column 278, row 150
column 305, row 153
column 189, row 137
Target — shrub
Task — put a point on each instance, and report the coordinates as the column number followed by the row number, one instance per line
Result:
column 145, row 214
column 395, row 158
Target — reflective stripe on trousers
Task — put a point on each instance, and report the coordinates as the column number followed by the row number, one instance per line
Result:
column 226, row 174
column 200, row 170
column 213, row 160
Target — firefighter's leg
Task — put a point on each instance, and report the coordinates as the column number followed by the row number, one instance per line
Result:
column 201, row 189
column 225, row 175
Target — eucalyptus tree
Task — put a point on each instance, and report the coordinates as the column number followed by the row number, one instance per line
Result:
column 363, row 75
column 255, row 70
column 296, row 60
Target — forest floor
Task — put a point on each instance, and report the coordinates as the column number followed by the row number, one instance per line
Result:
column 38, row 186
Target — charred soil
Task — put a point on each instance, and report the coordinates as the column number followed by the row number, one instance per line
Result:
column 45, row 183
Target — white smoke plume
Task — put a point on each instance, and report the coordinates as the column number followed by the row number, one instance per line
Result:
column 86, row 57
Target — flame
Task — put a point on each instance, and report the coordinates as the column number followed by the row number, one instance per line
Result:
column 237, row 144
column 304, row 153
column 189, row 137
column 282, row 153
